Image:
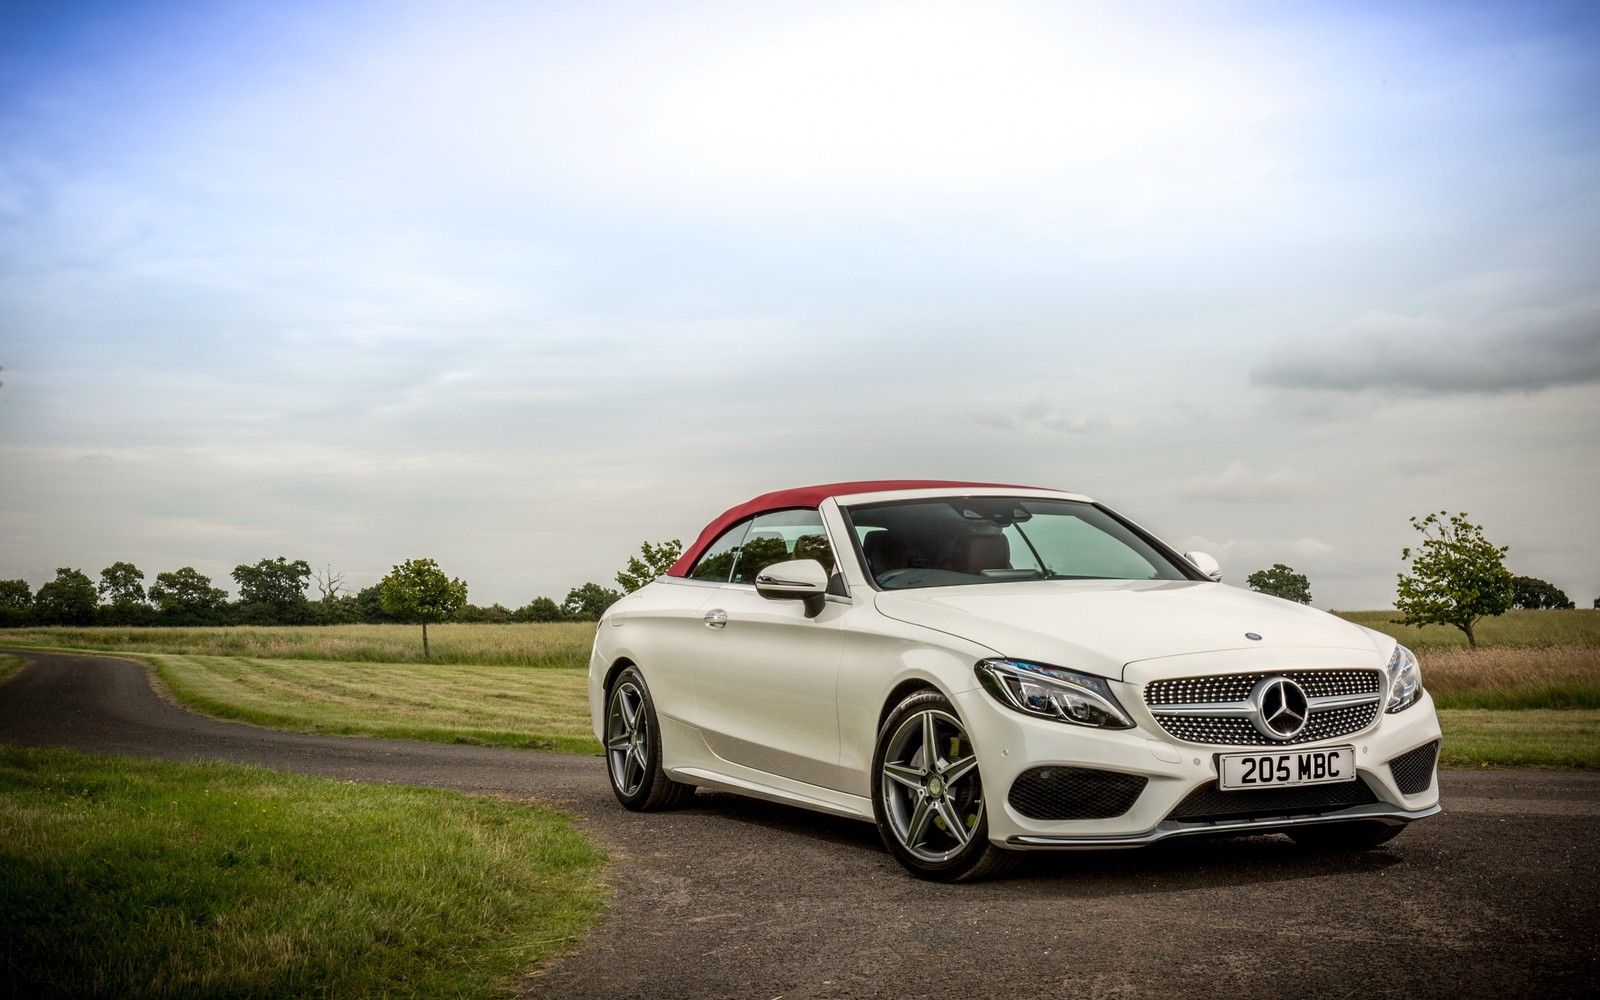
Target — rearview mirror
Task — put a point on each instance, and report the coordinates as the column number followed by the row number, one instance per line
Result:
column 795, row 580
column 1205, row 564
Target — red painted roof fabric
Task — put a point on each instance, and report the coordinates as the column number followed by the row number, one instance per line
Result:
column 808, row 496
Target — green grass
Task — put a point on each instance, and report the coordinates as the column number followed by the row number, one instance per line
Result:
column 132, row 878
column 1528, row 738
column 560, row 644
column 1526, row 629
column 491, row 705
column 9, row 665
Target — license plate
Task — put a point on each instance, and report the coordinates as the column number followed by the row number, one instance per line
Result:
column 1282, row 769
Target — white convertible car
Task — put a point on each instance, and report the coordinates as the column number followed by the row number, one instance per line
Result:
column 983, row 670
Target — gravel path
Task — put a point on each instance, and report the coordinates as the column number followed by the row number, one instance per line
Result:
column 738, row 898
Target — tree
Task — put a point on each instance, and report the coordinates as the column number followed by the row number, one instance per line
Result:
column 69, row 599
column 186, row 597
column 419, row 591
column 329, row 583
column 122, row 583
column 540, row 609
column 657, row 560
column 369, row 606
column 273, row 591
column 122, row 596
column 1281, row 581
column 1531, row 592
column 1458, row 576
column 588, row 602
column 16, row 600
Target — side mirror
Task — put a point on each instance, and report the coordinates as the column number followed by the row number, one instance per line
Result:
column 795, row 580
column 1204, row 563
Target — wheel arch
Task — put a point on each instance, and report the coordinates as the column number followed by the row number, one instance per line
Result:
column 900, row 692
column 618, row 665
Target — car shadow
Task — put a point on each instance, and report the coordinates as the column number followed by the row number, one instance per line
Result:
column 1179, row 865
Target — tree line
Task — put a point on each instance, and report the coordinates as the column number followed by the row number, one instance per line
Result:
column 277, row 591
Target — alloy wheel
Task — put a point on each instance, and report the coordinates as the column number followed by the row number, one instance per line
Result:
column 931, row 794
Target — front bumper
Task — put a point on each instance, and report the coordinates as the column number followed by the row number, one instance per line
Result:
column 1010, row 744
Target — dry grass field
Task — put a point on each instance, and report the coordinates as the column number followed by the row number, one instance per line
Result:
column 1523, row 629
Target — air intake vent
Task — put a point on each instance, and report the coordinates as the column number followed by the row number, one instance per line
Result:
column 1074, row 793
column 1413, row 771
column 1209, row 804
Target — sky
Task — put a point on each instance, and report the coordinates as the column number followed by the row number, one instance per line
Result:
column 518, row 286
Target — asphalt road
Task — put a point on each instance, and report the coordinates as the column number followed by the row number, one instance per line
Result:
column 731, row 897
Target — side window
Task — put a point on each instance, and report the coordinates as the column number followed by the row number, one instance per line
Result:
column 716, row 562
column 774, row 537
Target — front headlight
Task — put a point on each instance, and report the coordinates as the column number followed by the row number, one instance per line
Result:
column 1053, row 693
column 1405, row 680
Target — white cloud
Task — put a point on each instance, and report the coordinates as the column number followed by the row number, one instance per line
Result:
column 1038, row 414
column 1517, row 350
column 1239, row 484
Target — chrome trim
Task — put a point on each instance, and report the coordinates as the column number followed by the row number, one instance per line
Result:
column 1243, row 709
column 1167, row 829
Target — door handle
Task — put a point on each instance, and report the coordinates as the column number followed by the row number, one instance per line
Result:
column 716, row 619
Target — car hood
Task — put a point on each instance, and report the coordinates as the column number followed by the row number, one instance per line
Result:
column 1101, row 626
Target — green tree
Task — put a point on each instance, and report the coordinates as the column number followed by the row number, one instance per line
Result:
column 273, row 591
column 122, row 583
column 1532, row 592
column 16, row 600
column 69, row 599
column 588, row 602
column 1281, row 581
column 122, row 596
column 417, row 590
column 657, row 559
column 186, row 597
column 540, row 609
column 369, row 606
column 1457, row 576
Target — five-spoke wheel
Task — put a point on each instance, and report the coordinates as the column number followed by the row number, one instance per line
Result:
column 633, row 747
column 928, row 796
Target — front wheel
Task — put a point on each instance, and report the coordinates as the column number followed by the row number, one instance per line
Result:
column 633, row 748
column 927, row 794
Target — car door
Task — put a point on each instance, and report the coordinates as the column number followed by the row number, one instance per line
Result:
column 765, row 675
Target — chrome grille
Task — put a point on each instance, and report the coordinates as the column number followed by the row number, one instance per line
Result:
column 1229, row 728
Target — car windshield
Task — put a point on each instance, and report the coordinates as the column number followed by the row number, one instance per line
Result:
column 958, row 541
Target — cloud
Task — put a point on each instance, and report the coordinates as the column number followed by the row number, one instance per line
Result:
column 1038, row 415
column 1238, row 484
column 1521, row 350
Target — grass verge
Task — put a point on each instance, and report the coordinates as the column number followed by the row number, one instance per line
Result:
column 1527, row 738
column 135, row 878
column 487, row 705
column 9, row 664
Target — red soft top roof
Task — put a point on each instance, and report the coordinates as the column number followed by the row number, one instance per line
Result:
column 810, row 496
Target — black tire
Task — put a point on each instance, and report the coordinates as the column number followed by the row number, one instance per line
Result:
column 1353, row 835
column 929, row 805
column 633, row 747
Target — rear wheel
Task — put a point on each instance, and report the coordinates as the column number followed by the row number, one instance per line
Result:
column 633, row 748
column 1355, row 835
column 927, row 794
